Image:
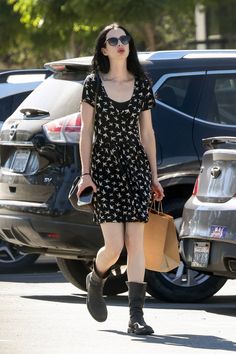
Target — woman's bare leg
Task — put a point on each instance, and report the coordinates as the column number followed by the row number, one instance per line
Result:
column 113, row 234
column 134, row 245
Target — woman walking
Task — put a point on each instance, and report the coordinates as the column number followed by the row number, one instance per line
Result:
column 120, row 166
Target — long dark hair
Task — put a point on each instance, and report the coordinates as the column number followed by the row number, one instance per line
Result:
column 101, row 62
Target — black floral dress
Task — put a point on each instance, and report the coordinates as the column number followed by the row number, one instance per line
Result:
column 120, row 167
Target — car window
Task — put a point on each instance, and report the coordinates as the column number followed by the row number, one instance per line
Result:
column 181, row 93
column 59, row 94
column 10, row 103
column 219, row 103
column 73, row 75
column 25, row 78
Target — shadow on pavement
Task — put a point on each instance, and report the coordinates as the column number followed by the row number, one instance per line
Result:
column 41, row 273
column 184, row 340
column 34, row 268
column 58, row 298
column 221, row 305
column 48, row 273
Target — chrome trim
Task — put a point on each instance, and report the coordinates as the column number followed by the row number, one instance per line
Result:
column 17, row 143
column 167, row 76
column 213, row 123
column 215, row 172
column 23, row 204
column 178, row 175
column 8, row 172
column 216, row 72
column 173, row 109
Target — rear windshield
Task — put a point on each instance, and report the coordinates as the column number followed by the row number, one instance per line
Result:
column 59, row 95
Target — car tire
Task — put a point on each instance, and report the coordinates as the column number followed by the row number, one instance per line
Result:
column 173, row 288
column 76, row 271
column 181, row 284
column 12, row 260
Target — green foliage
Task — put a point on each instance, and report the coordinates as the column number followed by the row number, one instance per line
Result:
column 52, row 29
column 15, row 41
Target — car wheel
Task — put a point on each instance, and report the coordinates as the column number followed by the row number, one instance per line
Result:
column 12, row 259
column 181, row 284
column 76, row 271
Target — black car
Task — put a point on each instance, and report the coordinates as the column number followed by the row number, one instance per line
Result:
column 40, row 159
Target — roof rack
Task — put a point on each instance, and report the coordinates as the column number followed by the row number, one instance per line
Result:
column 192, row 54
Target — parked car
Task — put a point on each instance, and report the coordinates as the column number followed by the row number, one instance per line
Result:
column 15, row 86
column 40, row 159
column 208, row 231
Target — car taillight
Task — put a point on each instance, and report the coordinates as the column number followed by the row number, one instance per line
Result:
column 195, row 188
column 64, row 130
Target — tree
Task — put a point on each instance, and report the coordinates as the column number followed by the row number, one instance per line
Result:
column 66, row 28
column 14, row 37
column 154, row 21
column 157, row 24
column 54, row 26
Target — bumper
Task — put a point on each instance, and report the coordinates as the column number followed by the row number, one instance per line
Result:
column 214, row 224
column 221, row 261
column 201, row 219
column 73, row 234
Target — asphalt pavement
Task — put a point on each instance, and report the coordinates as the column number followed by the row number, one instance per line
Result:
column 41, row 313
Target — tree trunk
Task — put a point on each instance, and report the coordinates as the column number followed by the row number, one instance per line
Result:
column 149, row 34
column 73, row 49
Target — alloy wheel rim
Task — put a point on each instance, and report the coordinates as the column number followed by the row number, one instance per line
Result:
column 10, row 253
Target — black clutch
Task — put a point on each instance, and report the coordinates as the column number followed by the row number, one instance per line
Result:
column 84, row 202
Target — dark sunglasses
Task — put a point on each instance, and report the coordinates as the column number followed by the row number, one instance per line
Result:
column 113, row 41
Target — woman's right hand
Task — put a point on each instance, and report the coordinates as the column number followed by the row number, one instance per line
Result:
column 84, row 182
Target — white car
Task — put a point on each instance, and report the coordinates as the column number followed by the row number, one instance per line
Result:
column 15, row 86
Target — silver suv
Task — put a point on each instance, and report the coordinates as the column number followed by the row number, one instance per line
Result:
column 208, row 231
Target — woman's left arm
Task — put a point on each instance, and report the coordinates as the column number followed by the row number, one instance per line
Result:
column 149, row 145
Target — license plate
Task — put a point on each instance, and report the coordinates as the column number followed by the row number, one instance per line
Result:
column 201, row 252
column 20, row 161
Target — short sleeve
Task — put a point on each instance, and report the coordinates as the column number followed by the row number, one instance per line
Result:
column 149, row 100
column 89, row 89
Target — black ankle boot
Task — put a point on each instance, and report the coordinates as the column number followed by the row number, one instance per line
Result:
column 137, row 325
column 95, row 302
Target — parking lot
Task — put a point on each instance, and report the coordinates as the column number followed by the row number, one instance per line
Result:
column 42, row 313
column 147, row 109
